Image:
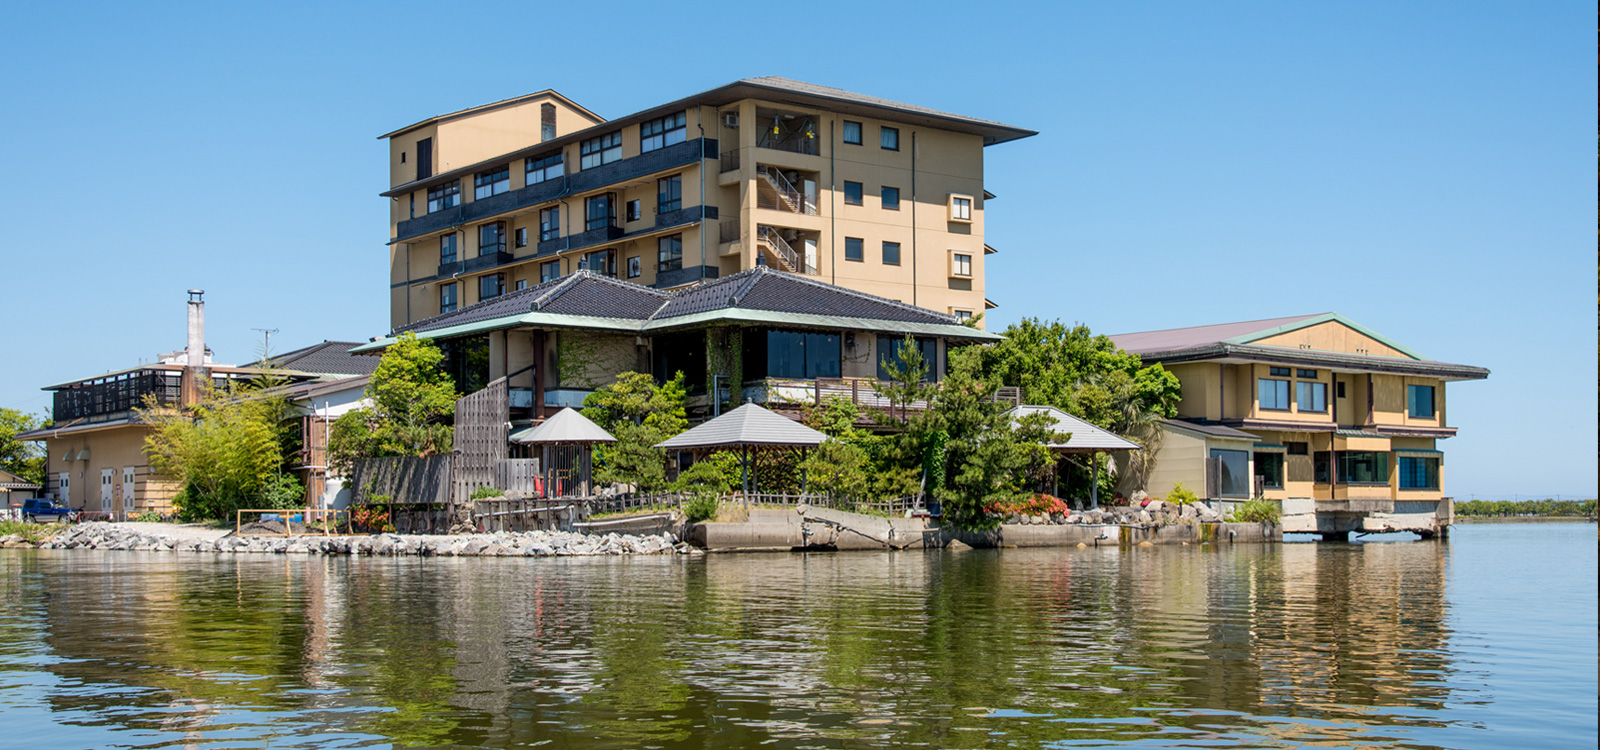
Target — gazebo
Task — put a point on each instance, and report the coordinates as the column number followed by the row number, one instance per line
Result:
column 747, row 428
column 567, row 429
column 1084, row 438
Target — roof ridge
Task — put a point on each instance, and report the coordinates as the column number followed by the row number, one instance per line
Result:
column 864, row 295
column 1229, row 323
column 564, row 283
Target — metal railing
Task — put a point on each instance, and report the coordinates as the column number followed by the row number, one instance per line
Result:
column 730, row 160
column 788, row 259
column 311, row 520
column 796, row 143
column 783, row 196
column 729, row 230
column 896, row 507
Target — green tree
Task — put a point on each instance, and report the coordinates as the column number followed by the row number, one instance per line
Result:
column 639, row 413
column 1075, row 370
column 411, row 397
column 23, row 458
column 226, row 451
column 988, row 460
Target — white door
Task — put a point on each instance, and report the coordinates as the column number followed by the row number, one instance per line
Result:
column 127, row 490
column 64, row 488
column 105, row 489
column 811, row 253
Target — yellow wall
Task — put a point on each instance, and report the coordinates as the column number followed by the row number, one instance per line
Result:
column 113, row 448
column 1199, row 388
column 1332, row 336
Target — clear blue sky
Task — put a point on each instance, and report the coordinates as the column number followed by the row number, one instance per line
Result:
column 1427, row 169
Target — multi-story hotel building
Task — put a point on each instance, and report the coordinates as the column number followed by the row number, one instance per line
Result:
column 865, row 193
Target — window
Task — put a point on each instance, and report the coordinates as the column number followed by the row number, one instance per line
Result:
column 491, row 286
column 961, row 315
column 662, row 132
column 550, row 223
column 543, row 167
column 633, row 267
column 891, row 198
column 1319, row 470
column 852, row 193
column 447, row 248
column 1309, row 396
column 891, row 253
column 601, row 211
column 791, row 354
column 1273, row 394
column 599, row 150
column 669, row 194
column 602, row 262
column 852, row 132
column 854, row 249
column 522, row 236
column 1269, row 466
column 522, row 284
column 890, row 349
column 1278, row 372
column 669, row 253
column 492, row 238
column 961, row 208
column 491, row 182
column 549, row 271
column 633, row 210
column 1419, row 472
column 1307, row 374
column 1233, row 468
column 889, row 138
column 1419, row 401
column 441, row 197
column 412, row 214
column 447, row 298
column 960, row 264
column 424, row 158
column 1298, row 448
column 1339, row 388
column 1362, row 467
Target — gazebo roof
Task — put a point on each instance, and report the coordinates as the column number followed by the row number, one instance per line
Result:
column 565, row 426
column 749, row 425
column 1084, row 437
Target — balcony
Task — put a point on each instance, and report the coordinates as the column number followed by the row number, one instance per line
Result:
column 473, row 265
column 782, row 256
column 775, row 191
column 781, row 393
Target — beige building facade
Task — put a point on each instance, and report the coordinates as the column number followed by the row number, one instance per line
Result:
column 876, row 196
column 1336, row 422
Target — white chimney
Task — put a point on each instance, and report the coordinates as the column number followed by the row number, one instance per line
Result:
column 197, row 328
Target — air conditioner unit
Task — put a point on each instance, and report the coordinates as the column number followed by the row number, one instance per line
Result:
column 730, row 119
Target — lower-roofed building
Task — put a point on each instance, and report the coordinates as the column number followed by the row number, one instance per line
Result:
column 1338, row 423
column 760, row 335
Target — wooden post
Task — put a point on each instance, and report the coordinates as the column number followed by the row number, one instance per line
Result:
column 1094, row 481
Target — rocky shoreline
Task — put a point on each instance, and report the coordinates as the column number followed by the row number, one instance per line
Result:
column 109, row 536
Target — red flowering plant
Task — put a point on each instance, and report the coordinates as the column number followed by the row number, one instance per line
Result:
column 1040, row 504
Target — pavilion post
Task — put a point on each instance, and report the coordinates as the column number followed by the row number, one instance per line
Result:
column 588, row 466
column 1094, row 481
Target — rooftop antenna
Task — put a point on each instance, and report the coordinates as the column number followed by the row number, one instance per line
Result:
column 266, row 340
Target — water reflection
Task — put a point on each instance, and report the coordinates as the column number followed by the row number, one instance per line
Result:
column 1275, row 645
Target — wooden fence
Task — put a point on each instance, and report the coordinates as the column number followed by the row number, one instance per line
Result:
column 528, row 514
column 480, row 438
column 407, row 480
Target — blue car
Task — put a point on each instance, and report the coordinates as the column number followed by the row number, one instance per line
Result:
column 38, row 509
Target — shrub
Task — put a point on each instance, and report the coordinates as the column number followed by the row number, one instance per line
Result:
column 483, row 492
column 1259, row 510
column 701, row 507
column 371, row 518
column 1180, row 495
column 148, row 516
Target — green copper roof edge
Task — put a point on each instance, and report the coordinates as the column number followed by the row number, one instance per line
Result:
column 1318, row 320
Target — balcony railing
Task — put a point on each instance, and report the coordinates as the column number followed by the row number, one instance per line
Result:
column 788, row 259
column 728, row 231
column 794, row 143
column 730, row 160
column 863, row 392
column 781, row 195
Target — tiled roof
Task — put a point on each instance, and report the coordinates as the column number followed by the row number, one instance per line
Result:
column 566, row 426
column 1213, row 430
column 762, row 288
column 1082, row 436
column 829, row 92
column 327, row 358
column 591, row 295
column 1174, row 339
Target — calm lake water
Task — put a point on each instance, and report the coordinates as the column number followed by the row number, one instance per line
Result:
column 1487, row 640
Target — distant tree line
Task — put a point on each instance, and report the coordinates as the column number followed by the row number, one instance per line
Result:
column 1546, row 507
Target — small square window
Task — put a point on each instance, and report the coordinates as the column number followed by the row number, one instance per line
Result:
column 961, row 264
column 891, row 253
column 852, row 132
column 854, row 249
column 549, row 271
column 852, row 193
column 1278, row 372
column 522, row 283
column 961, row 208
column 891, row 198
column 1339, row 389
column 962, row 315
column 890, row 138
column 633, row 267
column 1307, row 374
column 633, row 210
